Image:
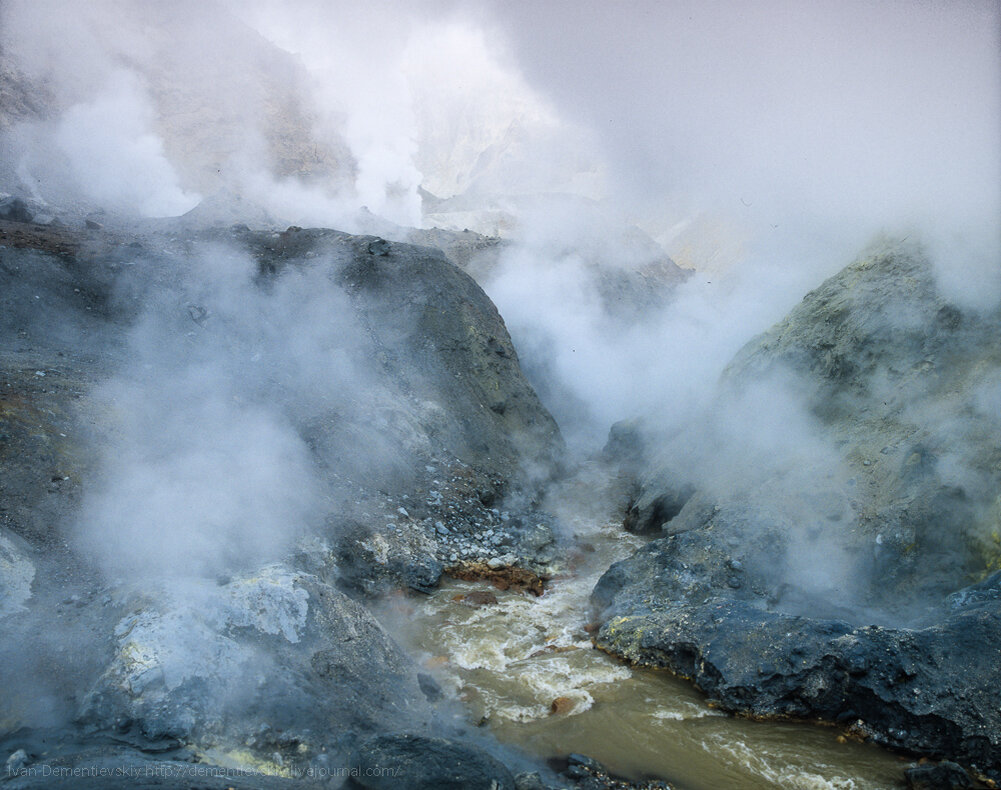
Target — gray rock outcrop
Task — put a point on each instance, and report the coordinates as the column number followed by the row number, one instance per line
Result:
column 828, row 576
column 180, row 624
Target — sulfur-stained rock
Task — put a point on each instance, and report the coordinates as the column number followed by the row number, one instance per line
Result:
column 274, row 652
column 203, row 627
column 848, row 575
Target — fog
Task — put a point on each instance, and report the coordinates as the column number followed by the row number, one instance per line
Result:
column 760, row 146
column 845, row 111
column 721, row 129
column 765, row 146
column 201, row 469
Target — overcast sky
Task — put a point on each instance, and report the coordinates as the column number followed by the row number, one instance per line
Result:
column 885, row 105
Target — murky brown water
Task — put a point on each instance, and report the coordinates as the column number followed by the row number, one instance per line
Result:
column 511, row 660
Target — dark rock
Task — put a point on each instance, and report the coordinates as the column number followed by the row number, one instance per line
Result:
column 429, row 686
column 379, row 247
column 653, row 514
column 928, row 690
column 799, row 594
column 267, row 659
column 370, row 560
column 586, row 773
column 626, row 443
column 529, row 780
column 414, row 306
column 939, row 776
column 15, row 209
column 580, row 766
column 415, row 762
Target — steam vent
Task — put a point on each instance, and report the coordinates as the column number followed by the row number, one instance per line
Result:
column 500, row 396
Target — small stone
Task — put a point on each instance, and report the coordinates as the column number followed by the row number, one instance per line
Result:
column 440, row 528
column 931, row 776
column 529, row 781
column 580, row 766
column 476, row 598
column 378, row 247
column 561, row 705
column 17, row 761
column 403, row 512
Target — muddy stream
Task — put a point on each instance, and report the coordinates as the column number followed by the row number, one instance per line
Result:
column 525, row 668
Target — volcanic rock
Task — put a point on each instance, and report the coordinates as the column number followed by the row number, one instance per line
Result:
column 265, row 665
column 415, row 762
column 855, row 586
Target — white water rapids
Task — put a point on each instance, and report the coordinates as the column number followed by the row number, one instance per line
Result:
column 514, row 661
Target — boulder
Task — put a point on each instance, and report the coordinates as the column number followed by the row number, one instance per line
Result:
column 938, row 776
column 261, row 662
column 386, row 377
column 842, row 571
column 929, row 690
column 17, row 573
column 15, row 209
column 906, row 385
column 417, row 762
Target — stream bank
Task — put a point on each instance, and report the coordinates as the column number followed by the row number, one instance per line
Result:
column 526, row 669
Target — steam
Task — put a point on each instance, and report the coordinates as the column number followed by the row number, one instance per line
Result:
column 363, row 98
column 442, row 108
column 761, row 147
column 203, row 468
column 764, row 148
column 112, row 155
column 598, row 361
column 707, row 124
column 285, row 106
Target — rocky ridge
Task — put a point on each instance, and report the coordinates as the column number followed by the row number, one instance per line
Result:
column 270, row 669
column 897, row 638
